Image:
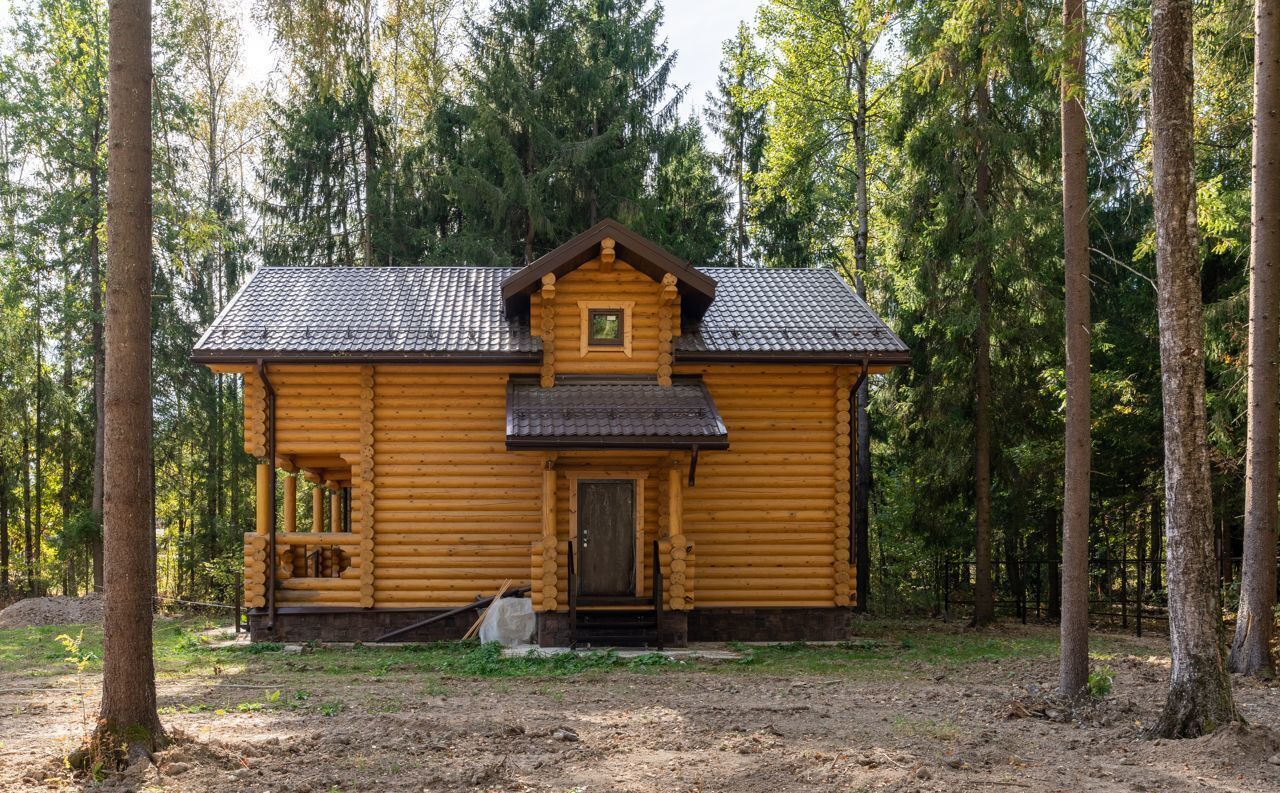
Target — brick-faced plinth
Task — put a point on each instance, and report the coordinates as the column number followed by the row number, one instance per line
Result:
column 356, row 625
column 553, row 629
column 678, row 627
column 769, row 624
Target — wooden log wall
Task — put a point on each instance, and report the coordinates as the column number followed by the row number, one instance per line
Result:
column 762, row 514
column 442, row 512
column 619, row 284
column 456, row 513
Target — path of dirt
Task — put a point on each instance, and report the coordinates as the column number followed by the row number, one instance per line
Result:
column 971, row 728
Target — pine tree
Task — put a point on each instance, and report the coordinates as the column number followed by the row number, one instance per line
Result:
column 129, row 727
column 736, row 112
column 1199, row 699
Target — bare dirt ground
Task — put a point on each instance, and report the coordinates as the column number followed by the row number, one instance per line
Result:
column 971, row 726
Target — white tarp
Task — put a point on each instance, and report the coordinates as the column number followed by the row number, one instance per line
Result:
column 509, row 621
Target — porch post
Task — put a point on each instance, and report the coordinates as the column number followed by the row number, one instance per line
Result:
column 263, row 524
column 317, row 507
column 335, row 506
column 680, row 592
column 291, row 502
column 546, row 568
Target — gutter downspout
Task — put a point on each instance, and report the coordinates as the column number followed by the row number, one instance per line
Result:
column 853, row 485
column 270, row 393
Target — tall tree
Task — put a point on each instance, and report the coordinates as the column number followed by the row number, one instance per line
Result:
column 1199, row 699
column 1255, row 621
column 736, row 112
column 129, row 725
column 824, row 95
column 1074, row 623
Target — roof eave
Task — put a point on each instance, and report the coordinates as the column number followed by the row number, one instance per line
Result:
column 793, row 356
column 616, row 442
column 206, row 357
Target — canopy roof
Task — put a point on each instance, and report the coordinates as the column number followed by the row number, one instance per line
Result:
column 613, row 413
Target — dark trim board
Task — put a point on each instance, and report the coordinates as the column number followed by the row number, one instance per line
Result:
column 744, row 624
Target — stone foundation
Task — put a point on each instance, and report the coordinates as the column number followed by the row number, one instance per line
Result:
column 356, row 625
column 770, row 624
column 678, row 627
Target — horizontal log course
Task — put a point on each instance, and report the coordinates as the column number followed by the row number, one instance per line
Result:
column 320, row 584
column 325, row 538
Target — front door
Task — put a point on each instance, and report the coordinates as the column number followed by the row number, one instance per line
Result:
column 606, row 537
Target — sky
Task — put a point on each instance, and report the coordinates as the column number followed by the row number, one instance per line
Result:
column 695, row 29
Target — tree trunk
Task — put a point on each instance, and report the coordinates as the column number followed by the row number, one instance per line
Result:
column 64, row 431
column 1199, row 698
column 27, row 544
column 99, row 373
column 128, row 719
column 862, row 487
column 1157, row 546
column 1255, row 622
column 37, row 535
column 4, row 532
column 1073, row 674
column 984, row 609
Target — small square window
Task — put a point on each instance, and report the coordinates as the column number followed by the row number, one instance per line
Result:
column 604, row 327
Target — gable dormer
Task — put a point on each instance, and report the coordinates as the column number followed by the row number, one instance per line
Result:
column 608, row 302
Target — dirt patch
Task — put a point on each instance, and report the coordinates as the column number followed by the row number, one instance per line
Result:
column 56, row 610
column 696, row 728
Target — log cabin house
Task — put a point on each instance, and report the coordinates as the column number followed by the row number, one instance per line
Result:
column 653, row 450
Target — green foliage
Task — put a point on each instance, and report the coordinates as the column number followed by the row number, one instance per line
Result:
column 76, row 653
column 1100, row 682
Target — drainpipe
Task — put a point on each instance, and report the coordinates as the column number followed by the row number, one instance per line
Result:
column 861, row 574
column 271, row 493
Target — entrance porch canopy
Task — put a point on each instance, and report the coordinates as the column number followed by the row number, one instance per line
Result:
column 613, row 413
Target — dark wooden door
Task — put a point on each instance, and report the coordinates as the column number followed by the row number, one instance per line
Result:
column 606, row 537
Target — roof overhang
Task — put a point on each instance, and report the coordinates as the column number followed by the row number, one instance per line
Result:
column 697, row 289
column 581, row 413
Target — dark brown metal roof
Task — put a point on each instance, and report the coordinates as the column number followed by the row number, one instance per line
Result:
column 456, row 314
column 697, row 289
column 613, row 413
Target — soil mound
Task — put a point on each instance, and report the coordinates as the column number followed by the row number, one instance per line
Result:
column 55, row 610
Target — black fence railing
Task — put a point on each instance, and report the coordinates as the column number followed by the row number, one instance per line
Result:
column 1124, row 593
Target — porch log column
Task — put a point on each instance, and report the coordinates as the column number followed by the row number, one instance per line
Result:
column 666, row 328
column 545, row 572
column 840, row 574
column 263, row 523
column 547, row 296
column 286, row 566
column 317, row 521
column 679, row 588
column 364, row 481
column 291, row 502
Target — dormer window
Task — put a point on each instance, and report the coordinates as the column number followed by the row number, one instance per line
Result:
column 605, row 326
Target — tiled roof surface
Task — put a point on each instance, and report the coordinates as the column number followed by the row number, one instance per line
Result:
column 600, row 411
column 446, row 311
column 369, row 310
column 787, row 310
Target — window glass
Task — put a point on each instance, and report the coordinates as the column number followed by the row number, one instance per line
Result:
column 605, row 326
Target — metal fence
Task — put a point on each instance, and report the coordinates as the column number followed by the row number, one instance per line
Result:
column 1124, row 593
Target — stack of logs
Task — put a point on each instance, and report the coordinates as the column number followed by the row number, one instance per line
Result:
column 675, row 548
column 255, row 570
column 840, row 565
column 666, row 328
column 255, row 411
column 548, row 298
column 545, row 567
column 365, row 484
